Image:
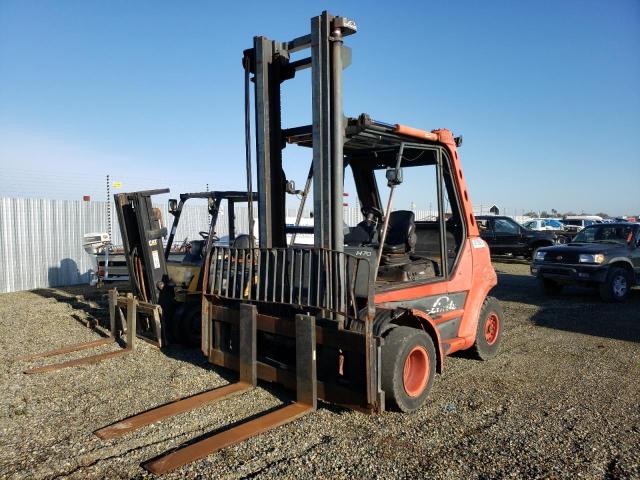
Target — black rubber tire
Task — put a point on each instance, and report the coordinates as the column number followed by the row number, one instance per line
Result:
column 482, row 349
column 172, row 326
column 191, row 326
column 550, row 287
column 607, row 291
column 398, row 343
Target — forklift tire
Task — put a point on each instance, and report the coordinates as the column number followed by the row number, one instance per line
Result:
column 191, row 326
column 408, row 367
column 489, row 331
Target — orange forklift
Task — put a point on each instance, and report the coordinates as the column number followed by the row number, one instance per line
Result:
column 366, row 315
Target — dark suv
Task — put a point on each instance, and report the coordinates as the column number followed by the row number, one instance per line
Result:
column 605, row 255
column 505, row 235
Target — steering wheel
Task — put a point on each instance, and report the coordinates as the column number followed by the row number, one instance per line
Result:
column 371, row 214
column 204, row 235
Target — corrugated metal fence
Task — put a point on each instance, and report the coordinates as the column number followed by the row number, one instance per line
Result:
column 41, row 239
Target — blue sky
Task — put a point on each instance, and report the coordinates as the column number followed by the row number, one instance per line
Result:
column 545, row 93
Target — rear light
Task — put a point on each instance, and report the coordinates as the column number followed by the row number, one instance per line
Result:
column 101, row 273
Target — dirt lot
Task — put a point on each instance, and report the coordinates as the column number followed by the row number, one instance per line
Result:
column 562, row 400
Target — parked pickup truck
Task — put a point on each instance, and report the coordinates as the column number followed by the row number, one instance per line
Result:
column 604, row 255
column 506, row 236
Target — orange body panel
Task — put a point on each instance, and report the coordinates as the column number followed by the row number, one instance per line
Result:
column 415, row 132
column 473, row 275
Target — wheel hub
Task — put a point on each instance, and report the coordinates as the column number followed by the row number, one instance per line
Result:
column 491, row 328
column 416, row 371
column 619, row 286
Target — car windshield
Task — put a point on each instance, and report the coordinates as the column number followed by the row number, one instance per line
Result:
column 605, row 234
column 554, row 224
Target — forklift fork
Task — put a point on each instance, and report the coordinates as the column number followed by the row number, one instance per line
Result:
column 130, row 328
column 306, row 398
column 306, row 402
column 247, row 380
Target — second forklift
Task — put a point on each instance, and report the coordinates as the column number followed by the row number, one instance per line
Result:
column 169, row 290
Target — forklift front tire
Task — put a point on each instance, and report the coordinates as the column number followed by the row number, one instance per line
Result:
column 408, row 367
column 191, row 326
column 489, row 331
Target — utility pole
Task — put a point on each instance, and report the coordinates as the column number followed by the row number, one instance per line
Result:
column 109, row 207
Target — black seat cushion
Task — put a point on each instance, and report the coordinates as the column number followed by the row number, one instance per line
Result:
column 242, row 241
column 361, row 234
column 194, row 255
column 401, row 232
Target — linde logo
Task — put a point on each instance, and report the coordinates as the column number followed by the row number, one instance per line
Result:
column 442, row 305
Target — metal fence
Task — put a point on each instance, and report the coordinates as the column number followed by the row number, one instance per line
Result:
column 41, row 239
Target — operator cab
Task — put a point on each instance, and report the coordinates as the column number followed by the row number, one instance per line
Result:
column 184, row 261
column 424, row 229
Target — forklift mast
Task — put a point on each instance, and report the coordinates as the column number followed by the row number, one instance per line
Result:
column 270, row 63
column 142, row 238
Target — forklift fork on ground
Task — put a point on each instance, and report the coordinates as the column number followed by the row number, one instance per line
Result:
column 128, row 328
column 306, row 397
column 146, row 317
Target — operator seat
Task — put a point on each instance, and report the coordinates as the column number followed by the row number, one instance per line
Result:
column 242, row 241
column 363, row 233
column 401, row 238
column 194, row 255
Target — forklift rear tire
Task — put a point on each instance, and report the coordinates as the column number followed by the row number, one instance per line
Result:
column 489, row 330
column 408, row 367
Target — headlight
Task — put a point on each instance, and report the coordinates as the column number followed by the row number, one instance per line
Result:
column 540, row 255
column 591, row 258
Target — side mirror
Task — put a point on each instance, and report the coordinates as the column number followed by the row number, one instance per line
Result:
column 394, row 176
column 173, row 206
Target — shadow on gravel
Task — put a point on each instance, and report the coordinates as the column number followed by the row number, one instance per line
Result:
column 576, row 309
column 620, row 322
column 95, row 315
column 194, row 356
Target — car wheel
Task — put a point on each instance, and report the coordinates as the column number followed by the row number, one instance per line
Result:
column 408, row 367
column 550, row 287
column 489, row 330
column 616, row 287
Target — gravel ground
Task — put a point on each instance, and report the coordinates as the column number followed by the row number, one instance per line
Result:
column 561, row 400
